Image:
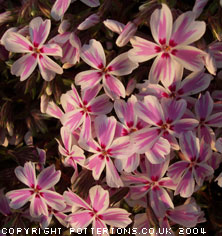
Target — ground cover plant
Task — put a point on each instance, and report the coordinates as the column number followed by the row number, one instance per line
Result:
column 110, row 117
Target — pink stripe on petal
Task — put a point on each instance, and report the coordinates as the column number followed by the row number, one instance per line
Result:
column 112, row 177
column 101, row 105
column 48, row 68
column 53, row 110
column 143, row 50
column 99, row 198
column 80, row 219
column 54, row 200
column 93, row 54
column 121, row 147
column 150, row 111
column 186, row 30
column 39, row 30
column 48, row 177
column 186, row 185
column 73, row 119
column 144, row 139
column 105, row 130
column 195, row 83
column 121, row 65
column 204, row 106
column 189, row 57
column 116, row 217
column 88, row 79
column 163, row 69
column 113, row 87
column 59, row 8
column 89, row 94
column 74, row 200
column 52, row 50
column 96, row 163
column 161, row 24
column 15, row 42
column 19, row 197
column 26, row 174
column 38, row 207
column 177, row 169
column 215, row 120
column 184, row 125
column 24, row 66
column 86, row 128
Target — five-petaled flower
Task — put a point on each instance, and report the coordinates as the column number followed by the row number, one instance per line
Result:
column 36, row 52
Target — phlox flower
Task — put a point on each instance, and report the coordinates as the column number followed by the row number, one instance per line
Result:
column 80, row 110
column 60, row 7
column 193, row 169
column 203, row 110
column 192, row 84
column 166, row 117
column 36, row 52
column 172, row 45
column 106, row 147
column 38, row 191
column 96, row 212
column 93, row 54
column 152, row 182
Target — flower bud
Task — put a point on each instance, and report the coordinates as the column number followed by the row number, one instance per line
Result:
column 89, row 22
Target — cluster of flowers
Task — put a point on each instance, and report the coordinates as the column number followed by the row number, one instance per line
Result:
column 160, row 142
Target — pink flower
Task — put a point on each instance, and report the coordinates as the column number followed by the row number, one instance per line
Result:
column 166, row 117
column 171, row 47
column 35, row 51
column 60, row 7
column 79, row 111
column 153, row 183
column 105, row 148
column 38, row 192
column 93, row 54
column 97, row 212
column 193, row 168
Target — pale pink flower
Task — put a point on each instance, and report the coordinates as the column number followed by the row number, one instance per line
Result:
column 166, row 117
column 80, row 111
column 172, row 45
column 207, row 120
column 36, row 52
column 106, row 148
column 73, row 154
column 38, row 192
column 193, row 169
column 152, row 182
column 60, row 7
column 93, row 54
column 96, row 212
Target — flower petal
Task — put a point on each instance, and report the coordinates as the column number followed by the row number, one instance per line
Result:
column 26, row 174
column 189, row 57
column 80, row 219
column 121, row 65
column 91, row 3
column 48, row 68
column 121, row 147
column 48, row 177
column 24, row 66
column 204, row 106
column 88, row 79
column 19, row 197
column 116, row 217
column 99, row 198
column 143, row 50
column 105, row 129
column 113, row 87
column 52, row 50
column 161, row 23
column 186, row 30
column 59, row 8
column 101, row 105
column 93, row 54
column 38, row 206
column 15, row 42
